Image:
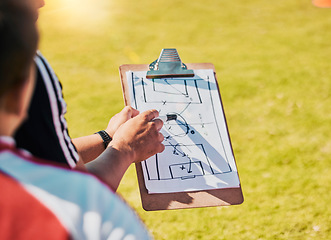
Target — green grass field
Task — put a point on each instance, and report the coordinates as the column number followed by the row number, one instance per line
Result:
column 273, row 64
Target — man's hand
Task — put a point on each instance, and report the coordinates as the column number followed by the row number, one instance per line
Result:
column 140, row 136
column 135, row 140
column 120, row 118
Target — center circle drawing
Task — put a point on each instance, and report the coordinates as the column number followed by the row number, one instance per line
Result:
column 177, row 127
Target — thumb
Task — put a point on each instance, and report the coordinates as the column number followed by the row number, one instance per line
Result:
column 134, row 112
column 130, row 112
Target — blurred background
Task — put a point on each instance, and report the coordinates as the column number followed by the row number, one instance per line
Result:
column 273, row 66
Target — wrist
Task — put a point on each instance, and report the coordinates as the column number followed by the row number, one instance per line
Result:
column 105, row 137
column 125, row 151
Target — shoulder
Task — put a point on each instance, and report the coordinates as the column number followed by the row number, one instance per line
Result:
column 29, row 217
column 79, row 200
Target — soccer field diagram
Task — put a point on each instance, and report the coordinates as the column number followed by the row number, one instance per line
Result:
column 186, row 162
column 195, row 134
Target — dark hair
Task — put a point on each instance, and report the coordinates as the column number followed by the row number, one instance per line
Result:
column 18, row 43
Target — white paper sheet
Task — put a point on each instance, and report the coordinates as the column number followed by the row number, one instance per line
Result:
column 198, row 153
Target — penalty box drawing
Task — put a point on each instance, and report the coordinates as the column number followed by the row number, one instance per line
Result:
column 187, row 161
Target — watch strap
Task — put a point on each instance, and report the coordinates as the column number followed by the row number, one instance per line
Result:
column 105, row 137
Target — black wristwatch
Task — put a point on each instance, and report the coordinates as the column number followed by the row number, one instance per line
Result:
column 105, row 137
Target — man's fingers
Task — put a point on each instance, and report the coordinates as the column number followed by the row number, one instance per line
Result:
column 158, row 124
column 161, row 148
column 130, row 112
column 135, row 112
column 150, row 115
column 161, row 137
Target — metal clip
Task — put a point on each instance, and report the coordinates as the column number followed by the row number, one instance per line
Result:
column 168, row 65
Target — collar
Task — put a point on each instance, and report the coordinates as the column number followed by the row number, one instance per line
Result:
column 9, row 143
column 7, row 140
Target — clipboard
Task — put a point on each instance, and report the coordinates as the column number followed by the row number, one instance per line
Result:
column 170, row 65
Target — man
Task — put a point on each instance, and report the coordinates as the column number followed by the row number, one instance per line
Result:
column 45, row 133
column 39, row 200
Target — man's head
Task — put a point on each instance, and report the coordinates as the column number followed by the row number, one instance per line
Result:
column 35, row 5
column 18, row 44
